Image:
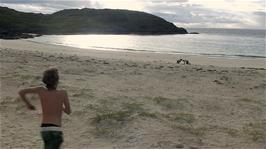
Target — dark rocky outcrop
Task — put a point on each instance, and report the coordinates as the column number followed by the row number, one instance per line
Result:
column 17, row 35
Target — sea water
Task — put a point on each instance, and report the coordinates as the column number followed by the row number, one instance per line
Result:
column 211, row 42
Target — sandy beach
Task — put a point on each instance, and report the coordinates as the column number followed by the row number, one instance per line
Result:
column 136, row 100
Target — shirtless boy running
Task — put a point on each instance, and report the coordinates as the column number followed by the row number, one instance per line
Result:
column 53, row 102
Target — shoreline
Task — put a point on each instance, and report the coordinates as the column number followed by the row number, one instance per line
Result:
column 223, row 56
column 143, row 56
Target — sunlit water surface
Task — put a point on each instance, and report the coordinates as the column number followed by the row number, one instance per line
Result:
column 212, row 42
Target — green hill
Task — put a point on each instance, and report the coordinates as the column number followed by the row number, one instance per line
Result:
column 84, row 21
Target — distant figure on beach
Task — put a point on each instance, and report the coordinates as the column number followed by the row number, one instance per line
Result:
column 53, row 102
column 185, row 62
column 179, row 61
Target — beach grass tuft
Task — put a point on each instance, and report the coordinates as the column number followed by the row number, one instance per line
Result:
column 163, row 101
column 133, row 107
column 245, row 100
column 108, row 124
column 84, row 93
column 252, row 102
column 148, row 114
column 184, row 118
column 170, row 103
column 256, row 130
column 232, row 132
column 118, row 116
column 197, row 131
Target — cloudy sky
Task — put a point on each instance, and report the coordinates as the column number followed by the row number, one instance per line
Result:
column 185, row 13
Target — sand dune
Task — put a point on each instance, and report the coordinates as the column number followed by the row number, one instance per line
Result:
column 149, row 102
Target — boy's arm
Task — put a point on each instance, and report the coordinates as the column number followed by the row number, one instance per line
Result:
column 66, row 105
column 22, row 93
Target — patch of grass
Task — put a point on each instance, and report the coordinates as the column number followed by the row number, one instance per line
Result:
column 84, row 92
column 133, row 107
column 166, row 102
column 7, row 99
column 136, row 108
column 184, row 118
column 26, row 77
column 256, row 131
column 97, row 108
column 230, row 131
column 184, row 122
column 38, row 78
column 107, row 124
column 170, row 103
column 30, row 77
column 252, row 102
column 246, row 100
column 163, row 101
column 148, row 114
column 116, row 116
column 198, row 131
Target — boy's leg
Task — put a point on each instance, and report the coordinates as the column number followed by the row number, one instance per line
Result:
column 52, row 139
column 58, row 139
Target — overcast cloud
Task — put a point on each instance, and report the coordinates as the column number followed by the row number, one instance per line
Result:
column 185, row 13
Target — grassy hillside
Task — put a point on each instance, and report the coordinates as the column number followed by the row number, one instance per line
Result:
column 76, row 21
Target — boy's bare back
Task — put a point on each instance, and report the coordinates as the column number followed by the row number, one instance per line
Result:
column 53, row 102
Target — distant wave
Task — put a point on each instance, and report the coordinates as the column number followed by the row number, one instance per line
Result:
column 121, row 49
column 177, row 52
column 203, row 44
column 152, row 51
column 233, row 56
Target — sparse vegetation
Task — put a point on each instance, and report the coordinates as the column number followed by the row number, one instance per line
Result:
column 133, row 107
column 184, row 118
column 148, row 114
column 252, row 101
column 29, row 78
column 170, row 103
column 97, row 108
column 198, row 131
column 231, row 132
column 117, row 116
column 6, row 99
column 245, row 100
column 256, row 130
column 107, row 124
column 84, row 92
column 181, row 118
column 184, row 122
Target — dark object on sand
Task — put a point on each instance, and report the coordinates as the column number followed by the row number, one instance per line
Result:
column 218, row 82
column 184, row 61
column 179, row 61
column 193, row 33
column 16, row 35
